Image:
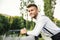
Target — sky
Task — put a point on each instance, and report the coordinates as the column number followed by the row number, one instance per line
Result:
column 11, row 7
column 57, row 10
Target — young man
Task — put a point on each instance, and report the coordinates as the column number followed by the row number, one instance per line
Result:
column 43, row 24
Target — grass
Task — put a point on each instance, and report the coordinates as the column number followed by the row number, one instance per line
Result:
column 40, row 38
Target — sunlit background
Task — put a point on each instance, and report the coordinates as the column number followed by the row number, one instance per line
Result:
column 11, row 7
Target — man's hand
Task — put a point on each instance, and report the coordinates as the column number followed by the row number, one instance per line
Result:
column 23, row 31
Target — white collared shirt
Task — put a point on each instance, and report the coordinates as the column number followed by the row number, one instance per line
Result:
column 44, row 21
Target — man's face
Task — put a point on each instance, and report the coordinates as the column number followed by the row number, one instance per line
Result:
column 33, row 11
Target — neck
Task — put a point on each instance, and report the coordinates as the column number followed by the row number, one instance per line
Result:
column 36, row 16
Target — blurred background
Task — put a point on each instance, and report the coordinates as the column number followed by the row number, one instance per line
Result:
column 14, row 15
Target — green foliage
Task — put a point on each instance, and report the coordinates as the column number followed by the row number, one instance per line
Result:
column 58, row 23
column 4, row 23
column 49, row 8
column 18, row 23
column 30, row 25
column 14, row 23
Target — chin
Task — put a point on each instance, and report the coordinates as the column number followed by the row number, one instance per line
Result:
column 32, row 16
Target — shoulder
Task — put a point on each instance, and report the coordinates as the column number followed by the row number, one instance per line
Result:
column 43, row 17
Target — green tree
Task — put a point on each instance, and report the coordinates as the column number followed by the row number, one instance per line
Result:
column 18, row 23
column 4, row 24
column 49, row 6
column 58, row 23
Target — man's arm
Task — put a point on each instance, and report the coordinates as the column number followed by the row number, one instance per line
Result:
column 38, row 27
